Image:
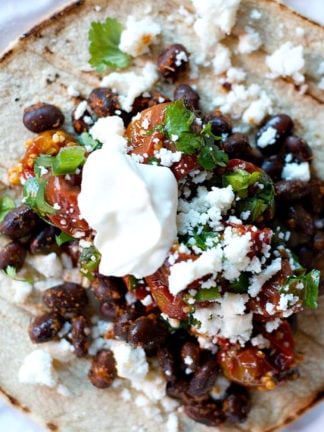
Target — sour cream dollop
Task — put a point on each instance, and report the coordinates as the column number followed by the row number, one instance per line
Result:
column 132, row 207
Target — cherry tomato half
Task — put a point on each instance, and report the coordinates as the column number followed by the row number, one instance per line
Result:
column 62, row 193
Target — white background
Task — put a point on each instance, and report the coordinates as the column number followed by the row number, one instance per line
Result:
column 16, row 17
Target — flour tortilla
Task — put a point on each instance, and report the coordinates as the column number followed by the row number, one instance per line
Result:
column 41, row 66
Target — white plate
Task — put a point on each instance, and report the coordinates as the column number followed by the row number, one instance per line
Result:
column 18, row 16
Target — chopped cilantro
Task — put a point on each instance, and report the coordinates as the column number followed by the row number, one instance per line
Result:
column 86, row 140
column 179, row 128
column 63, row 238
column 305, row 287
column 240, row 285
column 11, row 272
column 203, row 239
column 6, row 205
column 34, row 196
column 104, row 41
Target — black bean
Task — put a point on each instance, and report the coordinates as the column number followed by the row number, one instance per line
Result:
column 298, row 147
column 190, row 354
column 283, row 126
column 111, row 310
column 108, row 288
column 66, row 298
column 147, row 332
column 12, row 254
column 177, row 389
column 208, row 412
column 19, row 222
column 237, row 403
column 42, row 116
column 292, row 189
column 122, row 325
column 45, row 327
column 236, row 144
column 103, row 369
column 188, row 95
column 104, row 102
column 204, row 379
column 318, row 241
column 79, row 335
column 273, row 166
column 220, row 124
column 172, row 60
column 168, row 361
column 44, row 240
column 300, row 220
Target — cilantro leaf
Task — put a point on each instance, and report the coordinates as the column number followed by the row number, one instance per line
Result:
column 62, row 238
column 34, row 196
column 104, row 41
column 86, row 140
column 178, row 128
column 305, row 287
column 6, row 205
column 11, row 272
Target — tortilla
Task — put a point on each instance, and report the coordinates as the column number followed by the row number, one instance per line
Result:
column 41, row 66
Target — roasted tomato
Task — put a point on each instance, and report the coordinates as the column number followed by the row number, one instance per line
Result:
column 282, row 342
column 48, row 143
column 172, row 306
column 244, row 165
column 270, row 295
column 247, row 366
column 62, row 193
column 146, row 139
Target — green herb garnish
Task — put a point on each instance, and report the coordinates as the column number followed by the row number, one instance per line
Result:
column 86, row 140
column 305, row 287
column 11, row 272
column 240, row 285
column 104, row 41
column 62, row 238
column 178, row 128
column 6, row 205
column 34, row 196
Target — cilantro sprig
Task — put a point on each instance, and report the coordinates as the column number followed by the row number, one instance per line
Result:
column 178, row 127
column 305, row 287
column 104, row 41
column 6, row 205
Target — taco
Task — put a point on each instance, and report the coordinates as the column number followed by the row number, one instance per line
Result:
column 196, row 322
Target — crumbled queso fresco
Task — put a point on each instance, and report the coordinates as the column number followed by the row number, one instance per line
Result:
column 186, row 240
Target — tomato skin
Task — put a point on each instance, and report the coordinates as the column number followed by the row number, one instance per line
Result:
column 171, row 305
column 49, row 143
column 247, row 366
column 244, row 165
column 145, row 140
column 62, row 192
column 283, row 344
